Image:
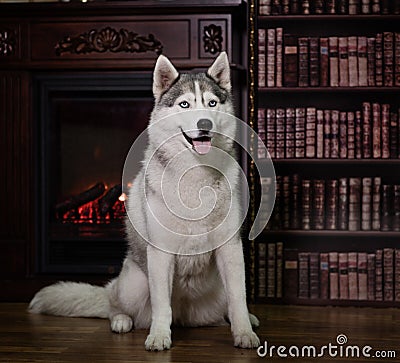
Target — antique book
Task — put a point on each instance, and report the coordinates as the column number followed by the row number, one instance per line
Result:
column 318, row 204
column 285, row 7
column 324, row 275
column 261, row 57
column 362, row 61
column 262, row 257
column 333, row 62
column 279, row 269
column 354, row 203
column 366, row 203
column 280, row 133
column 365, row 7
column 397, row 57
column 290, row 132
column 310, row 131
column 362, row 276
column 265, row 7
column 290, row 60
column 375, row 6
column 376, row 131
column 320, row 134
column 388, row 274
column 279, row 57
column 305, row 7
column 314, row 275
column 290, row 274
column 276, row 7
column 386, row 207
column 335, row 134
column 327, row 134
column 354, row 7
column 332, row 200
column 324, row 61
column 388, row 51
column 286, row 191
column 276, row 223
column 358, row 136
column 379, row 59
column 306, row 204
column 371, row 276
column 271, row 266
column 261, row 132
column 379, row 275
column 396, row 208
column 343, row 205
column 351, row 146
column 267, row 197
column 353, row 275
column 343, row 276
column 270, row 131
column 304, row 287
column 397, row 274
column 300, row 122
column 314, row 61
column 343, row 135
column 394, row 135
column 331, row 6
column 343, row 6
column 295, row 7
column 343, row 62
column 353, row 61
column 303, row 61
column 271, row 57
column 385, row 120
column 318, row 7
column 371, row 61
column 295, row 216
column 366, row 131
column 333, row 275
column 376, row 204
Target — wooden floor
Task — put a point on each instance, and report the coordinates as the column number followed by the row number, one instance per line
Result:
column 35, row 338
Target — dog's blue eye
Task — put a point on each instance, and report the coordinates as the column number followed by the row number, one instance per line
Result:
column 184, row 104
column 212, row 103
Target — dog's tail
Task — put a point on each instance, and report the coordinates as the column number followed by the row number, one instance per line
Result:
column 72, row 299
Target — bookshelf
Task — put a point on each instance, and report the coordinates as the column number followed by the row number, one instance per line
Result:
column 363, row 170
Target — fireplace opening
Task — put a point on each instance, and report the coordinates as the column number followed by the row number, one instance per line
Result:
column 87, row 124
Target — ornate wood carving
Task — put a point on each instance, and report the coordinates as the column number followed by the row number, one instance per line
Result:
column 7, row 42
column 109, row 40
column 212, row 39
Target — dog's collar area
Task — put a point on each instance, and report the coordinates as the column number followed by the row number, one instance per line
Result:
column 201, row 144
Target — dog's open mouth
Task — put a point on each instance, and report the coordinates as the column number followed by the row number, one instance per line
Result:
column 201, row 144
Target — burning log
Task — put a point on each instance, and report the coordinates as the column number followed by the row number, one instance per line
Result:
column 109, row 199
column 80, row 199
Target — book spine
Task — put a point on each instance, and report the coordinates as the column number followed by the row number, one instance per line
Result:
column 332, row 191
column 306, row 204
column 365, row 7
column 371, row 61
column 388, row 274
column 266, row 196
column 385, row 131
column 324, row 61
column 261, row 57
column 354, row 204
column 343, row 205
column 320, row 134
column 290, row 133
column 277, row 212
column 300, row 133
column 376, row 130
column 310, row 132
column 271, row 260
column 318, row 7
column 388, row 67
column 376, row 204
column 270, row 124
column 343, row 277
column 354, row 7
column 314, row 62
column 398, row 127
column 379, row 275
column 261, row 132
column 262, row 256
column 331, row 6
column 394, row 136
column 343, row 6
column 396, row 208
column 290, row 61
column 333, row 61
column 324, row 275
column 286, row 202
column 265, row 7
column 318, row 204
column 303, row 45
column 397, row 274
column 362, row 61
column 397, row 58
column 280, row 133
column 279, row 57
column 343, row 62
column 327, row 134
column 353, row 61
column 314, row 275
column 295, row 216
column 279, row 269
column 353, row 276
column 358, row 136
column 335, row 134
column 351, row 146
column 362, row 276
column 290, row 275
column 304, row 288
column 276, row 7
column 343, row 135
column 387, row 195
column 366, row 204
column 333, row 276
column 379, row 60
column 294, row 7
column 305, row 7
column 371, row 276
column 285, row 7
column 366, row 130
column 376, row 7
column 271, row 57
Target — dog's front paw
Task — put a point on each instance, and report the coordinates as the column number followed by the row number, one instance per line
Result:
column 157, row 342
column 246, row 340
column 121, row 323
column 255, row 323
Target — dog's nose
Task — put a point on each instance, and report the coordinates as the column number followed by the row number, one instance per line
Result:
column 204, row 124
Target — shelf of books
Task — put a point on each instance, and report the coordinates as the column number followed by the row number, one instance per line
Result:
column 325, row 100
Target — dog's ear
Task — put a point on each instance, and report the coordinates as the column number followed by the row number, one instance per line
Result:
column 164, row 76
column 220, row 71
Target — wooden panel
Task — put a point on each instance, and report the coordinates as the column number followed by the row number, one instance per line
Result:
column 12, row 258
column 10, row 42
column 214, row 37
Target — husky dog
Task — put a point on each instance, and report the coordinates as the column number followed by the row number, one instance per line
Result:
column 157, row 288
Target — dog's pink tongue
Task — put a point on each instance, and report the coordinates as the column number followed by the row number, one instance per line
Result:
column 202, row 147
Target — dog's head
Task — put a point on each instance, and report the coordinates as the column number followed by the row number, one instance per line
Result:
column 204, row 93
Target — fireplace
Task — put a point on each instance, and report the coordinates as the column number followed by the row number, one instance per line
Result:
column 86, row 124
